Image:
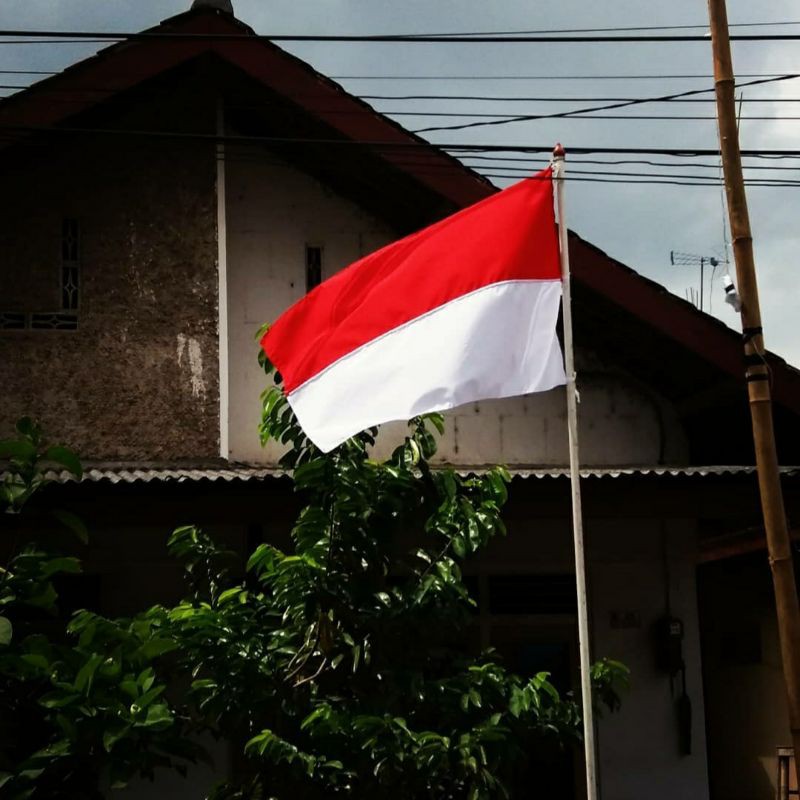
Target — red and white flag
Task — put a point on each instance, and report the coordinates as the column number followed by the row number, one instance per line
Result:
column 463, row 310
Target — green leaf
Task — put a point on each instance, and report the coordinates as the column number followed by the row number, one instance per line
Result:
column 67, row 564
column 74, row 523
column 111, row 737
column 6, row 631
column 43, row 596
column 263, row 559
column 66, row 458
column 28, row 428
column 57, row 699
column 36, row 660
column 55, row 750
column 229, row 594
column 146, row 679
column 130, row 687
column 158, row 647
column 83, row 680
column 323, row 712
column 18, row 449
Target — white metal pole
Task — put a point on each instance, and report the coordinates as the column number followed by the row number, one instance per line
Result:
column 575, row 479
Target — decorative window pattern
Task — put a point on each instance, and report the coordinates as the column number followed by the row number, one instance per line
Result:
column 70, row 264
column 54, row 322
column 313, row 267
column 13, row 321
column 66, row 317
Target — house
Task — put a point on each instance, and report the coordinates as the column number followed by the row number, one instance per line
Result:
column 164, row 198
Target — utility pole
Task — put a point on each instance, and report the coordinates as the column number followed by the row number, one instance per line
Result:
column 756, row 371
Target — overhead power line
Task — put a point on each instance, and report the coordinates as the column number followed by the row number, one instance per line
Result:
column 594, row 77
column 612, row 30
column 40, row 36
column 458, row 148
column 592, row 109
column 577, row 175
column 683, row 97
column 590, row 176
column 551, row 99
column 440, row 78
column 591, row 112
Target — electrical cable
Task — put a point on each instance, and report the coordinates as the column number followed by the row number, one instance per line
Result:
column 551, row 99
column 680, row 98
column 591, row 109
column 611, row 30
column 583, row 176
column 548, row 77
column 419, row 144
column 41, row 36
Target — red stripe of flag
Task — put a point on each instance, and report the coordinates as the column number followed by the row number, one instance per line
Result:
column 508, row 236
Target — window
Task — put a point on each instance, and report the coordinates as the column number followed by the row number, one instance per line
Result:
column 532, row 594
column 70, row 269
column 53, row 322
column 313, row 267
column 64, row 318
column 13, row 321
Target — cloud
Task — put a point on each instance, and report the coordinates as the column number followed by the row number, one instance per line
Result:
column 637, row 224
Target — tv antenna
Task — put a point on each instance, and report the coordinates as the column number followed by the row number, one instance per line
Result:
column 678, row 259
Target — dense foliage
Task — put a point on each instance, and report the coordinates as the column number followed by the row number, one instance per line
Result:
column 342, row 666
column 80, row 704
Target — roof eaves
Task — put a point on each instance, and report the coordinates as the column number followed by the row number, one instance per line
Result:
column 230, row 473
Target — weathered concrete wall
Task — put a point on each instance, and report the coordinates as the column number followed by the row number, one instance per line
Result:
column 139, row 378
column 274, row 211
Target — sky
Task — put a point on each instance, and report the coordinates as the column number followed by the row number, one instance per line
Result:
column 638, row 224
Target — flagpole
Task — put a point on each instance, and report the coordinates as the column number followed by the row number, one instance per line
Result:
column 575, row 481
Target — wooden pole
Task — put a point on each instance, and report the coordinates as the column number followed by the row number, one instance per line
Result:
column 757, row 371
column 575, row 479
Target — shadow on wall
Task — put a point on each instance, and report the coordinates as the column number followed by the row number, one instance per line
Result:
column 745, row 699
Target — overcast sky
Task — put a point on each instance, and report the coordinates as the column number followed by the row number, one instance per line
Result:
column 639, row 225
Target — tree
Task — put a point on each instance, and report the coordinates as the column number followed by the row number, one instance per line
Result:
column 342, row 667
column 80, row 703
column 345, row 660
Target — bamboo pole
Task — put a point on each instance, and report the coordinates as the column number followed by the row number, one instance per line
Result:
column 575, row 480
column 757, row 371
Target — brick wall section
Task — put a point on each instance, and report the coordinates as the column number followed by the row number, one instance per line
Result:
column 139, row 378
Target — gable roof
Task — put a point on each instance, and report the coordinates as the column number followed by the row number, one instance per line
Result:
column 202, row 31
column 129, row 63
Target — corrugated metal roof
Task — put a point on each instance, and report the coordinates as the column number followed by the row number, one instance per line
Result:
column 164, row 474
column 659, row 471
column 150, row 473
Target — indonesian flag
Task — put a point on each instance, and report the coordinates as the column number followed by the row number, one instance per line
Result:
column 463, row 310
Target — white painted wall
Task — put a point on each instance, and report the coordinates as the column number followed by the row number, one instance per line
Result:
column 274, row 211
column 638, row 749
column 639, row 746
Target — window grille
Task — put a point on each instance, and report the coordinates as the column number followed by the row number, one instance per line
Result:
column 54, row 322
column 313, row 267
column 12, row 321
column 70, row 264
column 66, row 317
